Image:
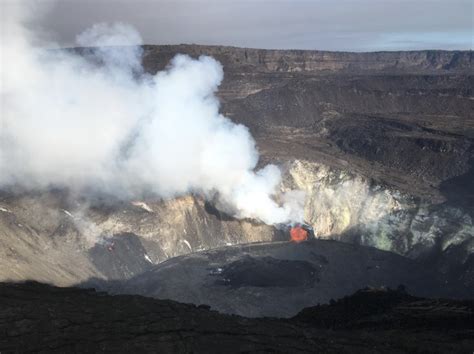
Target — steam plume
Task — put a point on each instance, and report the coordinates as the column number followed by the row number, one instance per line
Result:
column 97, row 121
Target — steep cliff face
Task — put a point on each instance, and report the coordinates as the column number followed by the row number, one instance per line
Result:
column 59, row 238
column 318, row 61
column 354, row 208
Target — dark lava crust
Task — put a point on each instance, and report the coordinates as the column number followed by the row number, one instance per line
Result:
column 267, row 272
column 281, row 278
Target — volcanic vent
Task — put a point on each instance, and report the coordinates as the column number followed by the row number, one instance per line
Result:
column 117, row 157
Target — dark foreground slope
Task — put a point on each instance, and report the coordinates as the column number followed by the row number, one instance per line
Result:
column 42, row 318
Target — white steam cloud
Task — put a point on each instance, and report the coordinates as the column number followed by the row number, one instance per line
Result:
column 97, row 121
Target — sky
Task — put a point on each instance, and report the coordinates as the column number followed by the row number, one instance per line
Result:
column 341, row 25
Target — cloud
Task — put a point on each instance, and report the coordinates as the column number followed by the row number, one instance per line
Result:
column 347, row 25
column 97, row 122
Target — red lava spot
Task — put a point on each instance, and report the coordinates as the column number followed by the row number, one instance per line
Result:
column 298, row 234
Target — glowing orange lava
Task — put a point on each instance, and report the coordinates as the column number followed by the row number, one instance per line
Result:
column 298, row 234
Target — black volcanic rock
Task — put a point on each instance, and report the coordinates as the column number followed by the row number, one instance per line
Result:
column 40, row 318
column 267, row 272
